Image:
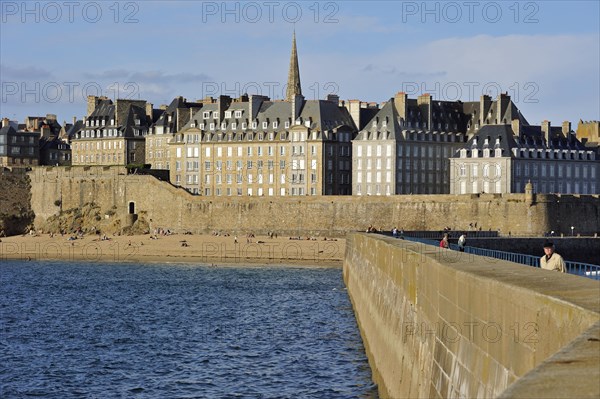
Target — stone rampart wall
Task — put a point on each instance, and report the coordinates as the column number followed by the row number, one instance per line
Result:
column 164, row 205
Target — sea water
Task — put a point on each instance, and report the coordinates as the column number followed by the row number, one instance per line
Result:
column 177, row 331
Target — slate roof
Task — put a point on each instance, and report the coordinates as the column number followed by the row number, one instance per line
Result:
column 322, row 114
column 531, row 137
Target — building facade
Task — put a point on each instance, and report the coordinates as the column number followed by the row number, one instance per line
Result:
column 251, row 145
column 406, row 147
column 112, row 133
column 172, row 118
column 18, row 148
column 505, row 158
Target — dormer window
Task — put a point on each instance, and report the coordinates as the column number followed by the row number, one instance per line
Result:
column 215, row 114
column 275, row 124
column 223, row 125
column 227, row 114
column 212, row 126
column 137, row 122
column 287, row 124
column 253, row 125
column 233, row 126
column 103, row 122
column 243, row 125
column 486, row 153
column 238, row 114
column 205, row 115
column 265, row 125
column 201, row 126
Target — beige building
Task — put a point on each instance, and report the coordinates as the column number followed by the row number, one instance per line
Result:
column 252, row 146
column 112, row 133
column 504, row 158
column 405, row 148
column 172, row 118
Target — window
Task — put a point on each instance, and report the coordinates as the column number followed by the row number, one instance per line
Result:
column 238, row 114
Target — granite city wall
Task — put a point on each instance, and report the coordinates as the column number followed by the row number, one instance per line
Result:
column 439, row 323
column 163, row 205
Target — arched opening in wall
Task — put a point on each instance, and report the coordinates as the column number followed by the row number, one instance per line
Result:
column 131, row 208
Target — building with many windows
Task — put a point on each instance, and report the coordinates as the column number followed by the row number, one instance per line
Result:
column 174, row 117
column 112, row 133
column 504, row 158
column 254, row 146
column 18, row 148
column 405, row 148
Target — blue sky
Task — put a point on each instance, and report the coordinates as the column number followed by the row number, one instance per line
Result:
column 545, row 54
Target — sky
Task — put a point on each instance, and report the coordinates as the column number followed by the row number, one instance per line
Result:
column 545, row 54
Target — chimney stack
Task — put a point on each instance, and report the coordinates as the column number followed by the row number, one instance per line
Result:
column 547, row 132
column 149, row 108
column 5, row 122
column 400, row 100
column 485, row 102
column 424, row 103
column 516, row 127
column 566, row 128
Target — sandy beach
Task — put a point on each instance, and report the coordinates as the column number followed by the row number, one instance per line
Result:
column 201, row 249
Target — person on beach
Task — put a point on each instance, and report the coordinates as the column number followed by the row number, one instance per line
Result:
column 551, row 260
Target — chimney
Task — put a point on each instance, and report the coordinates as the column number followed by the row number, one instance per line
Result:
column 74, row 120
column 149, row 108
column 400, row 100
column 5, row 122
column 92, row 101
column 501, row 108
column 485, row 102
column 424, row 103
column 547, row 131
column 333, row 98
column 353, row 107
column 566, row 128
column 516, row 127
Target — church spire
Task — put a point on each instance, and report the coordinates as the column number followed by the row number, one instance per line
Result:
column 293, row 83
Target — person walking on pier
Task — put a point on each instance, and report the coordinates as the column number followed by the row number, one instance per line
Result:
column 444, row 242
column 461, row 242
column 551, row 260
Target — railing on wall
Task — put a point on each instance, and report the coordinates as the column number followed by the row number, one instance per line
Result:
column 577, row 268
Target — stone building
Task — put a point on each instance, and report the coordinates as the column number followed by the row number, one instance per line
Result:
column 253, row 146
column 112, row 133
column 172, row 118
column 405, row 148
column 589, row 134
column 54, row 148
column 18, row 148
column 504, row 158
